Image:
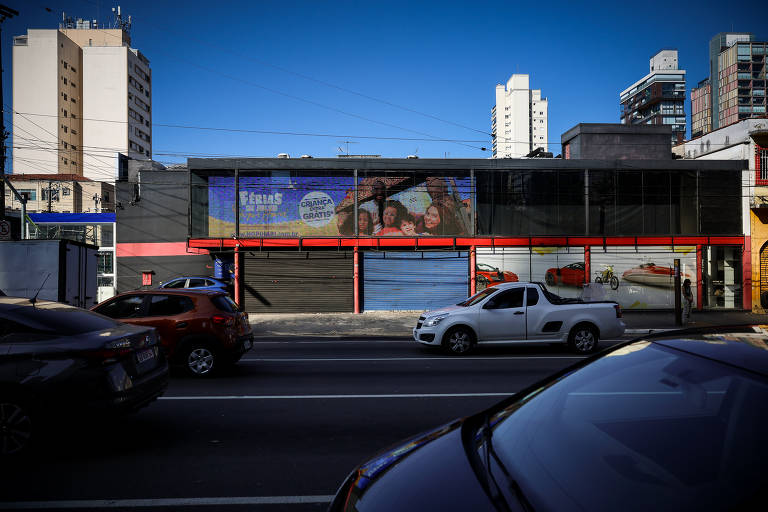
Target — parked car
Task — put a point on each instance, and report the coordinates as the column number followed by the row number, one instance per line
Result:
column 201, row 330
column 491, row 276
column 569, row 275
column 668, row 423
column 58, row 359
column 197, row 283
column 512, row 313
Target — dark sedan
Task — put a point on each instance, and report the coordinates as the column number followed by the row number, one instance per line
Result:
column 63, row 359
column 672, row 422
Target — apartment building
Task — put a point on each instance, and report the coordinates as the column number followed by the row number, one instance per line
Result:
column 736, row 87
column 60, row 193
column 519, row 119
column 659, row 97
column 81, row 95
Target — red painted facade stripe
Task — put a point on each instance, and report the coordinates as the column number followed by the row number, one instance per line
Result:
column 144, row 250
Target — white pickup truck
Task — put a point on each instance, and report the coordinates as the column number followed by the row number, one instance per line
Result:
column 519, row 313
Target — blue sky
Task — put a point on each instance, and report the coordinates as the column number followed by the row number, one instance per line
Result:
column 385, row 70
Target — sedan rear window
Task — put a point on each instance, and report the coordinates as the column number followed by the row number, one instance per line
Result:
column 224, row 303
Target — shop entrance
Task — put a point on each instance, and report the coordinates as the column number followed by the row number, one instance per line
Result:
column 721, row 276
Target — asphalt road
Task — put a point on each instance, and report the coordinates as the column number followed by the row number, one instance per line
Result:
column 279, row 432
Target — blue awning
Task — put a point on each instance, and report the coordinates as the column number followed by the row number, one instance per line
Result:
column 72, row 218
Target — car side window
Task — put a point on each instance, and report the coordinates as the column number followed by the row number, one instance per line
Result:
column 179, row 283
column 196, row 283
column 124, row 307
column 533, row 297
column 168, row 305
column 508, row 299
column 208, row 282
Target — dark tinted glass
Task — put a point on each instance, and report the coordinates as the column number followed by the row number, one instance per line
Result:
column 670, row 430
column 224, row 303
column 123, row 307
column 178, row 283
column 58, row 319
column 196, row 283
column 509, row 299
column 720, row 192
column 168, row 305
column 533, row 297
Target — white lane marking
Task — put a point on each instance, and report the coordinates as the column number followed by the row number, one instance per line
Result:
column 164, row 502
column 410, row 341
column 637, row 393
column 325, row 397
column 334, row 359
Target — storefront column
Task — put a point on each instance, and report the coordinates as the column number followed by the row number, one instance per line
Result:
column 587, row 264
column 746, row 274
column 472, row 270
column 237, row 275
column 699, row 284
column 356, row 279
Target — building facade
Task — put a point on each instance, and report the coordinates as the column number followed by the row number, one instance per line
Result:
column 659, row 97
column 701, row 109
column 745, row 141
column 81, row 95
column 519, row 119
column 312, row 235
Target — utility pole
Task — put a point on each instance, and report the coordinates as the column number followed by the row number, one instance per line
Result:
column 49, row 197
column 5, row 13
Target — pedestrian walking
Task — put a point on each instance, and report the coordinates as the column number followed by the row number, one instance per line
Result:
column 687, row 301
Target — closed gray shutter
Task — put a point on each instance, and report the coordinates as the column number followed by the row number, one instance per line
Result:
column 300, row 282
column 414, row 281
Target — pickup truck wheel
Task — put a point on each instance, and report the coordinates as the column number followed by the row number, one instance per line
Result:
column 583, row 339
column 458, row 341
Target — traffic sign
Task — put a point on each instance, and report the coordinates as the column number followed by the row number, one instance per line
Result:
column 5, row 230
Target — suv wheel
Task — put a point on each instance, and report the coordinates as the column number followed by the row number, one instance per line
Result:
column 199, row 360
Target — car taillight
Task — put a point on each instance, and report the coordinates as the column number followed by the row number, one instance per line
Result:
column 618, row 310
column 110, row 352
column 222, row 320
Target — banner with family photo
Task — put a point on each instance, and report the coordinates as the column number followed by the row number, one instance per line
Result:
column 278, row 206
column 415, row 205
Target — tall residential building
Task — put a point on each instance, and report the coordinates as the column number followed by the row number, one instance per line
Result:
column 519, row 119
column 701, row 109
column 717, row 45
column 659, row 97
column 81, row 95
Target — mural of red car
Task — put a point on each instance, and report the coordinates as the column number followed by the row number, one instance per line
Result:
column 571, row 275
column 491, row 276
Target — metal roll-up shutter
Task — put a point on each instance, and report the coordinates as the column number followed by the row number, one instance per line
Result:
column 405, row 281
column 300, row 282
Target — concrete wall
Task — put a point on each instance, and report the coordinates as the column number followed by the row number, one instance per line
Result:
column 618, row 142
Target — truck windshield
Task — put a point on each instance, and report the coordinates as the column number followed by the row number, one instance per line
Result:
column 478, row 297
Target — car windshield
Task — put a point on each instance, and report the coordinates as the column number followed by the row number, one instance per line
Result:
column 670, row 430
column 478, row 297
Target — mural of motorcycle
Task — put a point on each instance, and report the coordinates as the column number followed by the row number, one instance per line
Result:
column 607, row 277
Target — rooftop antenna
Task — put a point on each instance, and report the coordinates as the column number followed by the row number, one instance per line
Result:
column 34, row 299
column 119, row 21
column 347, row 142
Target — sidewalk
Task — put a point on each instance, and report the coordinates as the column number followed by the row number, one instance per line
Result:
column 396, row 324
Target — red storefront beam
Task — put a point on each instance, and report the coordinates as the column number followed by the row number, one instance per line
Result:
column 458, row 242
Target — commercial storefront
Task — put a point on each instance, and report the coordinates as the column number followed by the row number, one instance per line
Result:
column 409, row 234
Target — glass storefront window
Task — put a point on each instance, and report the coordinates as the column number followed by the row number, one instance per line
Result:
column 721, row 277
column 106, row 263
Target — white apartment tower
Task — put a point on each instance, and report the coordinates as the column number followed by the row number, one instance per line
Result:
column 519, row 119
column 81, row 95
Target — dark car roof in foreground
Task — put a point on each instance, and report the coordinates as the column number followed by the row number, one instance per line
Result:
column 745, row 346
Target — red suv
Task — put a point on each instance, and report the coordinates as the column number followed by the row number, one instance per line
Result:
column 202, row 331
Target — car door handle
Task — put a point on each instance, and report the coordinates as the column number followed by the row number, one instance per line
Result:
column 519, row 313
column 181, row 325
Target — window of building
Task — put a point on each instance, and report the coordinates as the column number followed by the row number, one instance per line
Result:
column 65, row 65
column 65, row 80
column 65, row 129
column 28, row 194
column 66, row 191
column 65, row 145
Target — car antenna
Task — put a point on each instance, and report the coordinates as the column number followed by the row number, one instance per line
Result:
column 34, row 299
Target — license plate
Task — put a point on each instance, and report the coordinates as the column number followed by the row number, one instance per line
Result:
column 145, row 355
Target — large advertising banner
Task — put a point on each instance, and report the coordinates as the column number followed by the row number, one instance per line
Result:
column 415, row 205
column 561, row 268
column 278, row 206
column 643, row 278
